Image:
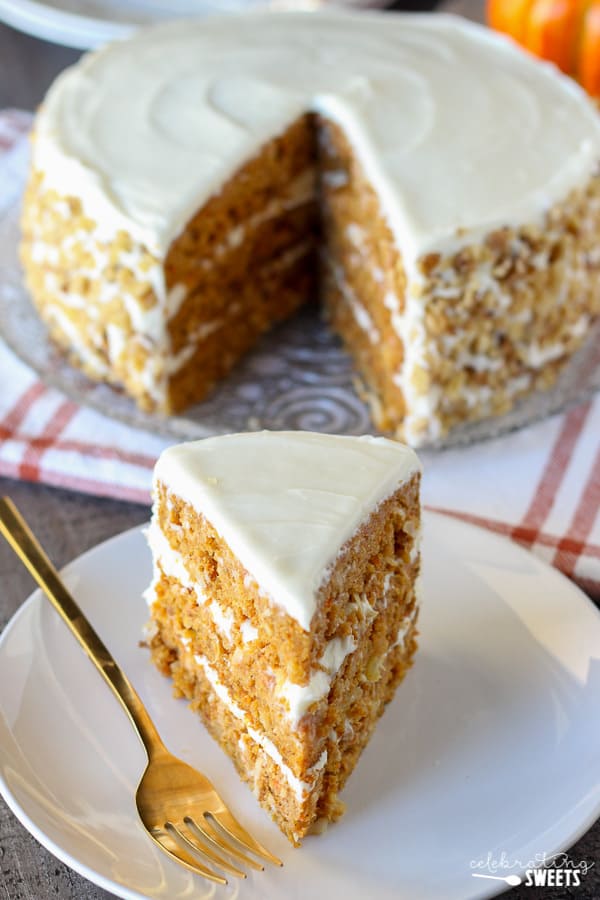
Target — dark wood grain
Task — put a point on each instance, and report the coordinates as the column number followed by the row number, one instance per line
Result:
column 68, row 524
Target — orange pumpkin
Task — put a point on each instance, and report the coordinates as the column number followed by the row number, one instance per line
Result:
column 566, row 32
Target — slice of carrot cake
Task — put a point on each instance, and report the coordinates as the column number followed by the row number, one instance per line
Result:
column 284, row 602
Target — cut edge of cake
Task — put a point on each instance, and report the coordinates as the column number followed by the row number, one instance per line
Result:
column 288, row 665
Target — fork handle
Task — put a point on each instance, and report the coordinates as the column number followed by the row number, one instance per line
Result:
column 16, row 531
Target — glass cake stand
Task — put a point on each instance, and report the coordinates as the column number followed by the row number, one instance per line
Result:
column 299, row 377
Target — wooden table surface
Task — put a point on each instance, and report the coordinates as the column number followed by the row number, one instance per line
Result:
column 69, row 523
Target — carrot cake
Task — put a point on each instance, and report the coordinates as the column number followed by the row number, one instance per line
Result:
column 194, row 185
column 284, row 602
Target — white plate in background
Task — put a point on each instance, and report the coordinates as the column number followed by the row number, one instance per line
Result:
column 89, row 23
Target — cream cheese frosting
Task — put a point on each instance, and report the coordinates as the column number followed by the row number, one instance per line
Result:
column 301, row 697
column 286, row 502
column 458, row 131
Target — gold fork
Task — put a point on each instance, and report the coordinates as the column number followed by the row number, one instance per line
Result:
column 180, row 809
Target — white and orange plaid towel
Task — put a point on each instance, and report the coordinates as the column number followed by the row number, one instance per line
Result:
column 539, row 486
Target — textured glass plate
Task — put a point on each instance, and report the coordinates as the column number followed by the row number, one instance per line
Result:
column 299, row 377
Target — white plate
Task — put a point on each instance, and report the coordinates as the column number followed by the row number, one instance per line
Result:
column 490, row 745
column 93, row 22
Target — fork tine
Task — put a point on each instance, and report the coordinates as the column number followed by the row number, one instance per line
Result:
column 200, row 848
column 233, row 828
column 216, row 839
column 168, row 845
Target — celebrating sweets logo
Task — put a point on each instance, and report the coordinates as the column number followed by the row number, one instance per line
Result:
column 558, row 870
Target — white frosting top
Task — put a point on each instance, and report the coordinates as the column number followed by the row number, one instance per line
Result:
column 286, row 502
column 456, row 128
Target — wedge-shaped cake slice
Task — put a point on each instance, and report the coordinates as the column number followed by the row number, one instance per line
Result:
column 284, row 601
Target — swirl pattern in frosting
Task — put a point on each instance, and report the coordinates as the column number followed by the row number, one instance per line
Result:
column 458, row 130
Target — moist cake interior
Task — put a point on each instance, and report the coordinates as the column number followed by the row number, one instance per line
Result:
column 288, row 649
column 283, row 230
column 455, row 250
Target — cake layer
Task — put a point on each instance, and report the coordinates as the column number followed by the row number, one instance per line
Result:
column 299, row 805
column 253, row 305
column 289, row 646
column 362, row 268
column 279, row 177
column 204, row 600
column 168, row 332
